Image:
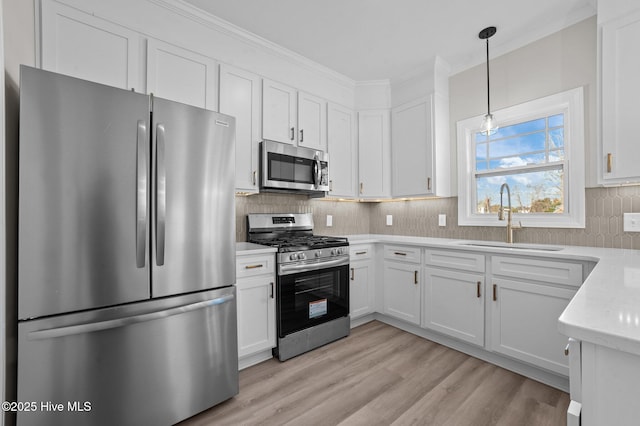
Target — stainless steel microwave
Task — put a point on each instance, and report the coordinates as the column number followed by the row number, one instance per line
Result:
column 287, row 168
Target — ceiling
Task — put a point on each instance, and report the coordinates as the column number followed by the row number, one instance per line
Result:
column 383, row 39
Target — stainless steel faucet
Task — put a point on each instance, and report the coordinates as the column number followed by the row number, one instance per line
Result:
column 510, row 226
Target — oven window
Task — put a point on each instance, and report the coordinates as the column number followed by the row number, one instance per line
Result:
column 311, row 298
column 290, row 169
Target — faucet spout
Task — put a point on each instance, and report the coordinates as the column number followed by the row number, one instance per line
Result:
column 510, row 226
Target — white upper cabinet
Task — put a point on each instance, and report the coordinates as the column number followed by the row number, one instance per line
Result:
column 411, row 149
column 181, row 75
column 294, row 118
column 620, row 91
column 83, row 46
column 374, row 151
column 343, row 154
column 279, row 112
column 240, row 98
column 312, row 122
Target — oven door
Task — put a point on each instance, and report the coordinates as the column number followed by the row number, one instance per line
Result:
column 312, row 297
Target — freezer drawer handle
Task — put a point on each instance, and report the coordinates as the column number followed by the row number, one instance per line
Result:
column 161, row 194
column 141, row 194
column 126, row 321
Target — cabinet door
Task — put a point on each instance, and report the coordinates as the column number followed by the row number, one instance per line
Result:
column 256, row 314
column 412, row 149
column 374, row 152
column 342, row 148
column 312, row 122
column 620, row 93
column 360, row 289
column 453, row 304
column 279, row 112
column 240, row 98
column 181, row 75
column 83, row 46
column 402, row 291
column 524, row 323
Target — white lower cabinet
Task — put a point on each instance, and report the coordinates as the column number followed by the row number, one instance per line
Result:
column 402, row 284
column 361, row 289
column 255, row 288
column 524, row 322
column 453, row 304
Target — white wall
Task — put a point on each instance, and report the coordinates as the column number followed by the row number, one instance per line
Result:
column 561, row 61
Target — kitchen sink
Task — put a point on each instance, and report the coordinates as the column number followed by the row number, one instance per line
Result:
column 517, row 246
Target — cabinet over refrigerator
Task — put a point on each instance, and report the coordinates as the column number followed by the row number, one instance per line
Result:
column 126, row 244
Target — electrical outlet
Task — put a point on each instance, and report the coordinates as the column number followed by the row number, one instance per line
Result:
column 442, row 220
column 329, row 221
column 389, row 220
column 631, row 222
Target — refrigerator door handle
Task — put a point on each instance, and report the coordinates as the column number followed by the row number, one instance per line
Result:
column 161, row 194
column 141, row 194
column 126, row 321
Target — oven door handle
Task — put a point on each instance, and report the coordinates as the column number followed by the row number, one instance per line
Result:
column 315, row 266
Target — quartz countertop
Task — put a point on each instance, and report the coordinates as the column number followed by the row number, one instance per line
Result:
column 606, row 308
column 246, row 249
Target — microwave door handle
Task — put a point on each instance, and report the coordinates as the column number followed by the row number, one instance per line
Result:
column 316, row 172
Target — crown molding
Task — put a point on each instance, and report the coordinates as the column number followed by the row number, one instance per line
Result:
column 218, row 24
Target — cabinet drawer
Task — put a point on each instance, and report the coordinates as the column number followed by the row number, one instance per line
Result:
column 402, row 253
column 249, row 266
column 563, row 273
column 364, row 251
column 454, row 259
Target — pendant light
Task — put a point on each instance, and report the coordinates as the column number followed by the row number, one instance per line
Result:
column 489, row 123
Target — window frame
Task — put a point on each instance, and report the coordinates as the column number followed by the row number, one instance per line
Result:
column 571, row 103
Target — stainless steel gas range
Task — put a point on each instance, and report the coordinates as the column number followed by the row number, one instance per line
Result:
column 312, row 286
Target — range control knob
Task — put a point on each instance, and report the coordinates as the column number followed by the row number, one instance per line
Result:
column 318, row 253
column 340, row 250
column 293, row 256
column 334, row 252
column 302, row 256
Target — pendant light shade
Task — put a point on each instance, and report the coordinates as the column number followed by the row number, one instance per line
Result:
column 489, row 123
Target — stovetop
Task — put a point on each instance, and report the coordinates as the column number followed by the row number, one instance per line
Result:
column 300, row 242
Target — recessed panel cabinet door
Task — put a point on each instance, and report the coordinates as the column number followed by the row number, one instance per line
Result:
column 312, row 122
column 343, row 152
column 279, row 112
column 240, row 98
column 83, row 46
column 620, row 94
column 402, row 291
column 181, row 75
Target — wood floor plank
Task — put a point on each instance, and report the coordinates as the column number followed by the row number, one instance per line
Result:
column 381, row 375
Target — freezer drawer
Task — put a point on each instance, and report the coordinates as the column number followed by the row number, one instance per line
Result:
column 152, row 363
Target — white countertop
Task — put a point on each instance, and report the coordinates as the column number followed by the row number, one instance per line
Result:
column 606, row 308
column 246, row 249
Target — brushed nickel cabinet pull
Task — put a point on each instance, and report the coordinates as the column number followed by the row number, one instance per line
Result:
column 330, row 185
column 609, row 162
column 254, row 178
column 293, row 133
column 271, row 284
column 429, row 183
column 566, row 350
column 478, row 284
column 361, row 252
column 495, row 295
column 415, row 277
column 353, row 273
column 399, row 253
column 253, row 266
column 301, row 135
column 361, row 187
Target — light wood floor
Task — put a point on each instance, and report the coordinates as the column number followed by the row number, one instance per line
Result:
column 381, row 375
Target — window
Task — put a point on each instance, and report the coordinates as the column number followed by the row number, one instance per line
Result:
column 538, row 151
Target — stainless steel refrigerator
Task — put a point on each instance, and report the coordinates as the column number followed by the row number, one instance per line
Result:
column 126, row 274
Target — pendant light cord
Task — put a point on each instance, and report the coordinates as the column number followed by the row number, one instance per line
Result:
column 488, row 91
